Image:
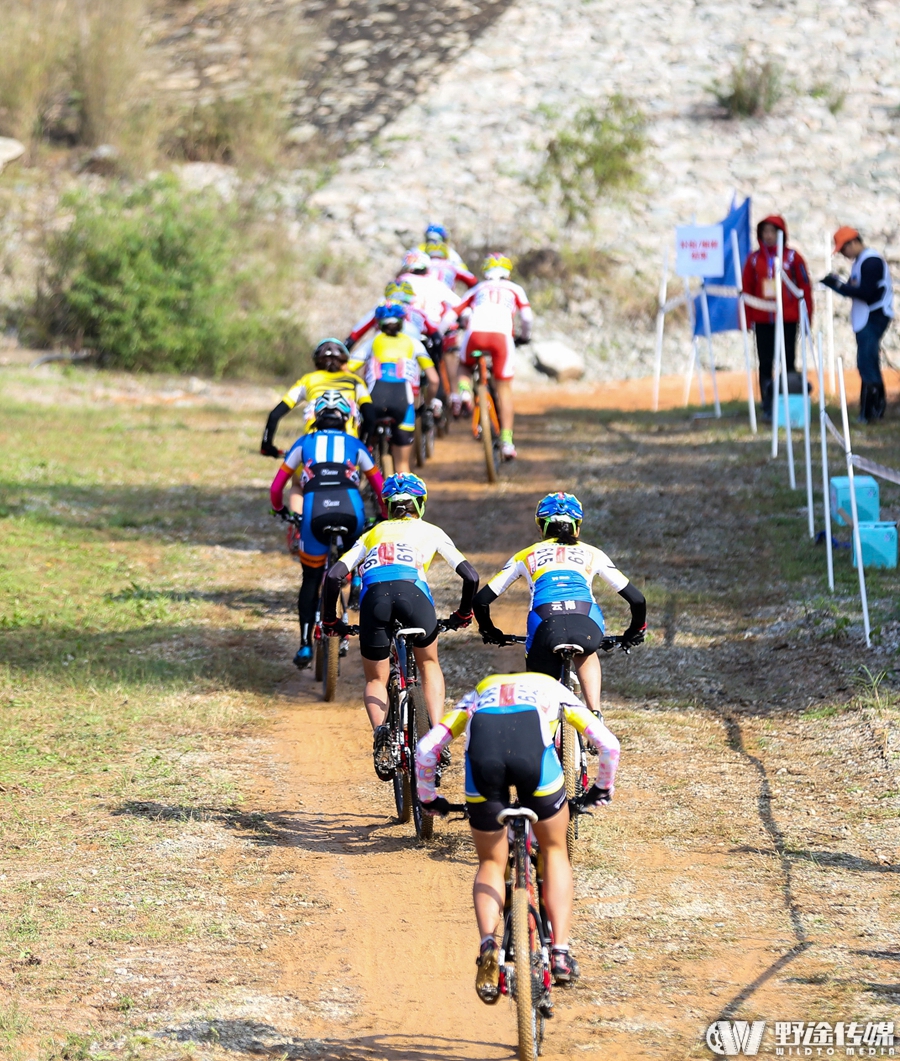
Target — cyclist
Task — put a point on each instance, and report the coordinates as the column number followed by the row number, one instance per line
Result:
column 393, row 559
column 494, row 304
column 324, row 464
column 509, row 721
column 415, row 324
column 560, row 570
column 446, row 263
column 330, row 358
column 392, row 365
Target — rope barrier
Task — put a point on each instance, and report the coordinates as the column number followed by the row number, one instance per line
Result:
column 759, row 303
column 881, row 470
column 839, row 438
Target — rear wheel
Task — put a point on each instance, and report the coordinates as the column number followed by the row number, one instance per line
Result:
column 419, row 725
column 526, row 1013
column 571, row 762
column 320, row 659
column 419, row 442
column 487, row 435
column 331, row 654
column 402, row 795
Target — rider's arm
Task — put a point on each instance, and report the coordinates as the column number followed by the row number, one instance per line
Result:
column 267, row 446
column 638, row 605
column 335, row 578
column 606, row 743
column 463, row 568
column 359, row 330
column 276, row 490
column 429, row 748
column 512, row 570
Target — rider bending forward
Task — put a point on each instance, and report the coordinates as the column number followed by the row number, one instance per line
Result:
column 324, row 465
column 560, row 570
column 509, row 721
column 393, row 558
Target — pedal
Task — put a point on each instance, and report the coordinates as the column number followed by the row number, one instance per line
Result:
column 344, row 647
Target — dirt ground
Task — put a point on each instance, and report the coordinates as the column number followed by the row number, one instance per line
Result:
column 746, row 869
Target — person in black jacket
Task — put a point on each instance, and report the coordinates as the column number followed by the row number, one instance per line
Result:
column 871, row 311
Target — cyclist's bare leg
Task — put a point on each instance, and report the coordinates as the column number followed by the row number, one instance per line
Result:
column 505, row 410
column 375, row 697
column 551, row 835
column 489, row 888
column 451, row 360
column 432, row 681
column 400, row 455
column 295, row 498
column 589, row 676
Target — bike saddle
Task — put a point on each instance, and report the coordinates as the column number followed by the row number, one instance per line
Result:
column 569, row 648
column 410, row 631
column 516, row 812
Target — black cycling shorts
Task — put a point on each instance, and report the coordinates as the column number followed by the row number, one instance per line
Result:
column 556, row 630
column 508, row 749
column 385, row 603
column 390, row 399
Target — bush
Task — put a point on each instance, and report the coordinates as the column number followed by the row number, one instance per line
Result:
column 596, row 154
column 159, row 279
column 751, row 89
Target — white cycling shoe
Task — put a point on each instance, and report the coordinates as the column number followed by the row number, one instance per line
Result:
column 508, row 451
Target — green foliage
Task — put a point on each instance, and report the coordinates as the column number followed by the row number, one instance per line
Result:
column 831, row 95
column 751, row 89
column 156, row 278
column 597, row 153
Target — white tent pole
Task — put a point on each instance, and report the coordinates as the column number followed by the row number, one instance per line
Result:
column 829, row 317
column 776, row 386
column 699, row 364
column 742, row 320
column 707, row 330
column 660, row 327
column 779, row 331
column 689, row 371
column 807, row 454
column 826, row 482
column 853, row 507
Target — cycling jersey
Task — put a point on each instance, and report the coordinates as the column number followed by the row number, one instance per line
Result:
column 328, row 459
column 560, row 577
column 434, row 303
column 400, row 550
column 450, row 269
column 394, row 359
column 501, row 694
column 494, row 305
column 314, row 384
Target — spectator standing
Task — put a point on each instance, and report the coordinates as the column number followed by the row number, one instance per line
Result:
column 759, row 281
column 871, row 311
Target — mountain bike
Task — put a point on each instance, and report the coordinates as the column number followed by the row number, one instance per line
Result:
column 423, row 441
column 380, row 445
column 485, row 422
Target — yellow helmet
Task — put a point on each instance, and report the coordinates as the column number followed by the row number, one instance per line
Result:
column 437, row 249
column 496, row 266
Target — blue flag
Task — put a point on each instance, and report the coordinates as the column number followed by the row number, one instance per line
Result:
column 723, row 312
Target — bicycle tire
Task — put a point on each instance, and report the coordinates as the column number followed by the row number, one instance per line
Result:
column 331, row 655
column 430, row 437
column 402, row 794
column 419, row 724
column 571, row 764
column 487, row 435
column 320, row 659
column 526, row 1013
column 419, row 443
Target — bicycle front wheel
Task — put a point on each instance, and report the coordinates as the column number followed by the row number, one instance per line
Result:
column 418, row 726
column 523, row 936
column 402, row 794
column 487, row 434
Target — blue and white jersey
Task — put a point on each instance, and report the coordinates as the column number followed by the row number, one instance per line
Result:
column 326, row 459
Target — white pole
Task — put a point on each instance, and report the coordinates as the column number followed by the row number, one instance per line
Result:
column 689, row 371
column 853, row 509
column 742, row 318
column 804, row 336
column 779, row 332
column 826, row 482
column 707, row 329
column 829, row 317
column 660, row 327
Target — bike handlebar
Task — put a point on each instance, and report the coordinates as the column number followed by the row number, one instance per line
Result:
column 607, row 644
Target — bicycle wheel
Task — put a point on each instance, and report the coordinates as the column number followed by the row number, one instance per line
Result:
column 487, row 434
column 402, row 794
column 320, row 659
column 418, row 726
column 571, row 762
column 331, row 661
column 419, row 441
column 526, row 1013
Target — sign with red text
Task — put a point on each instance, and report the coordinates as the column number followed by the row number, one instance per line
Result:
column 699, row 250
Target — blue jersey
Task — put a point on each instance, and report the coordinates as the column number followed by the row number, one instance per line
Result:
column 327, row 459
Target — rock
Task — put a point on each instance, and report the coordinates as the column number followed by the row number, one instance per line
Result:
column 556, row 359
column 103, row 160
column 10, row 150
column 197, row 176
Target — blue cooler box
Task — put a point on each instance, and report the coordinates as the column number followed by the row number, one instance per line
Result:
column 879, row 544
column 795, row 410
column 867, row 501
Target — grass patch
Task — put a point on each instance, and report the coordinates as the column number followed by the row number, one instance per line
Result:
column 751, row 88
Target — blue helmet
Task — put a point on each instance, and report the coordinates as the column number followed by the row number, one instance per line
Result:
column 558, row 508
column 436, row 232
column 389, row 310
column 404, row 494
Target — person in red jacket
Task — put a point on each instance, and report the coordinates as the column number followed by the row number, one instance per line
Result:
column 759, row 280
